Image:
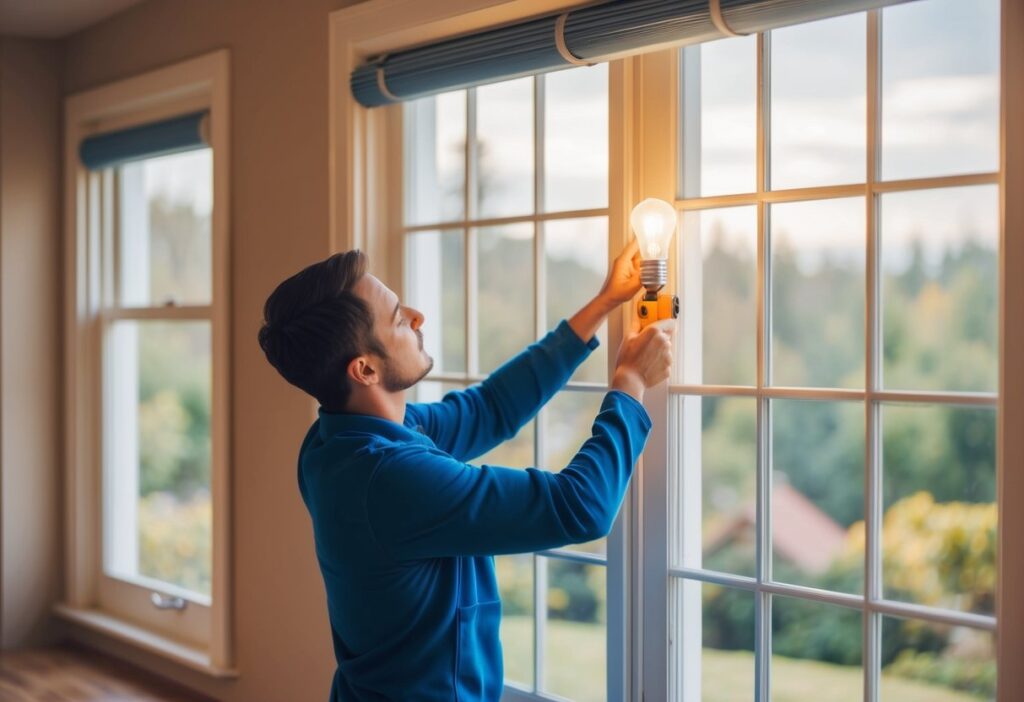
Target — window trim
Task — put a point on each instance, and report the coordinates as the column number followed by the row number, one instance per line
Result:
column 201, row 82
column 361, row 168
column 1010, row 440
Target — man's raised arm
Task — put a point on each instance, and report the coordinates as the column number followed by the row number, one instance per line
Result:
column 425, row 504
column 470, row 422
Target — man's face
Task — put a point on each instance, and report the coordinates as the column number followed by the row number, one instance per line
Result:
column 398, row 329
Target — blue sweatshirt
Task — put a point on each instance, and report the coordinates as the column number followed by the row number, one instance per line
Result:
column 406, row 529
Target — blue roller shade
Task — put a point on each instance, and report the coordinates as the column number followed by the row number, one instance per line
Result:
column 169, row 136
column 590, row 33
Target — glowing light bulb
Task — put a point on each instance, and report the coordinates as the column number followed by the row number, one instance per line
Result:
column 653, row 221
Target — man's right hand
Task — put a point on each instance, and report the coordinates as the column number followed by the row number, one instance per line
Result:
column 645, row 358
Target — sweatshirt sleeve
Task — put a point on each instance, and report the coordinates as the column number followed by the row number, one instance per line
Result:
column 423, row 503
column 469, row 423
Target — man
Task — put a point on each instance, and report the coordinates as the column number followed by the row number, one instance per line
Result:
column 405, row 529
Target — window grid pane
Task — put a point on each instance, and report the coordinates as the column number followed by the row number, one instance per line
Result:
column 817, row 293
column 870, row 400
column 164, row 247
column 575, row 639
column 157, row 517
column 940, row 48
column 817, row 103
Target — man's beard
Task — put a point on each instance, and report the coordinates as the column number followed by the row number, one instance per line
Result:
column 395, row 382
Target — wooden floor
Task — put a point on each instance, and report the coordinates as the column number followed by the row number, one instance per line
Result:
column 71, row 674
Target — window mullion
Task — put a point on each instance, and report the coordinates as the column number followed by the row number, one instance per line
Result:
column 762, row 601
column 872, row 620
column 540, row 618
column 113, row 262
column 184, row 313
column 623, row 560
column 539, row 268
column 469, row 236
column 539, row 296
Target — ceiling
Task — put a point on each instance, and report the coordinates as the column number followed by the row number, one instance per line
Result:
column 55, row 18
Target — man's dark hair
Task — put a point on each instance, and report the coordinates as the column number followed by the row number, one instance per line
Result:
column 314, row 325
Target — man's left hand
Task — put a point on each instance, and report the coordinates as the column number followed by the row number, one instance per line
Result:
column 623, row 281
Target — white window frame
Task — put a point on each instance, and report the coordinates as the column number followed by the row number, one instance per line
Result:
column 365, row 168
column 199, row 635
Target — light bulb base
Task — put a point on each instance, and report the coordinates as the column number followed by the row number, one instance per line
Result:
column 654, row 274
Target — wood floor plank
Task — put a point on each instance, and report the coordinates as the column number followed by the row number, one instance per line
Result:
column 71, row 674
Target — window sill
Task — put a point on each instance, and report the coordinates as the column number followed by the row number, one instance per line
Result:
column 194, row 658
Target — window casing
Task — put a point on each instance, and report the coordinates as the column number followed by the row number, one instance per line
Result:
column 147, row 450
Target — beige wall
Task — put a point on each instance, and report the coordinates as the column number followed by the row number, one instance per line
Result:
column 30, row 261
column 279, row 207
column 279, row 211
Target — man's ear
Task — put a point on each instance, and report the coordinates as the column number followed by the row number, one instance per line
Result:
column 360, row 371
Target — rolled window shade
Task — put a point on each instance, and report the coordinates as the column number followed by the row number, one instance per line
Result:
column 169, row 136
column 589, row 34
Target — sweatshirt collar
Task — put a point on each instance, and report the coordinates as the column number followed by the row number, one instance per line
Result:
column 333, row 423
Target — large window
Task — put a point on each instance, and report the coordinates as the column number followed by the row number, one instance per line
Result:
column 833, row 420
column 506, row 233
column 815, row 515
column 147, row 365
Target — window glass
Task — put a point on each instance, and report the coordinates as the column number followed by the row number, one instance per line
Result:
column 504, row 149
column 817, row 293
column 157, row 513
column 574, row 646
column 576, row 139
column 818, row 103
column 939, row 502
column 716, row 642
column 517, row 452
column 435, row 285
column 815, row 647
column 722, row 245
column 505, row 291
column 955, row 663
column 940, row 88
column 164, row 230
column 719, row 118
column 576, row 263
column 515, row 585
column 717, row 490
column 435, row 158
column 818, row 488
column 939, row 280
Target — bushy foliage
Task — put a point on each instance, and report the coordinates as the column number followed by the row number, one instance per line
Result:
column 174, row 540
column 174, row 368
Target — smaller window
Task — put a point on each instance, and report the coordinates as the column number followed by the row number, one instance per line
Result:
column 147, row 354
